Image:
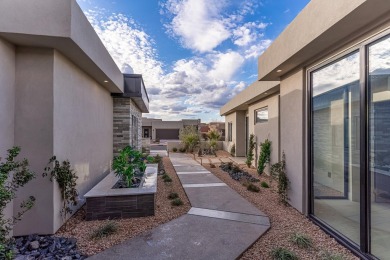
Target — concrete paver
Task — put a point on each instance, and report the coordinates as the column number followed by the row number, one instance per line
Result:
column 220, row 225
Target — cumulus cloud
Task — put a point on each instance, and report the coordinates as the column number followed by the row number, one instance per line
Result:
column 202, row 25
column 195, row 86
column 131, row 48
column 198, row 23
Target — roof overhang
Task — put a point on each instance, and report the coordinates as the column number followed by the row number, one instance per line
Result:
column 134, row 88
column 253, row 93
column 318, row 30
column 61, row 25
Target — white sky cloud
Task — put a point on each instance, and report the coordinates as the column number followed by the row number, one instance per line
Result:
column 197, row 85
column 198, row 23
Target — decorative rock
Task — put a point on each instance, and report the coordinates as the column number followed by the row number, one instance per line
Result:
column 46, row 247
column 34, row 245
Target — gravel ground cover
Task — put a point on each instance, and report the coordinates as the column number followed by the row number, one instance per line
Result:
column 285, row 221
column 79, row 228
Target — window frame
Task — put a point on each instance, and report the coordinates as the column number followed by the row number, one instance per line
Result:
column 364, row 250
column 261, row 120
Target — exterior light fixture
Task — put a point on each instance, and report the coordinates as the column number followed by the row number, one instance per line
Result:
column 279, row 71
column 106, row 81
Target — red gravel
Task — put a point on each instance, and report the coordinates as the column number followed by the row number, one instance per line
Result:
column 81, row 229
column 285, row 221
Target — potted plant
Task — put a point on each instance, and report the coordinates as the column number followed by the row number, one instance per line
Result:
column 130, row 166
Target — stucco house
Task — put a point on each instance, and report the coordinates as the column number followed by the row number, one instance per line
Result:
column 154, row 128
column 61, row 94
column 323, row 97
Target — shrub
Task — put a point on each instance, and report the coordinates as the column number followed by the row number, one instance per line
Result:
column 250, row 155
column 252, row 187
column 173, row 195
column 166, row 178
column 177, row 202
column 182, row 150
column 264, row 184
column 174, row 149
column 278, row 171
column 281, row 253
column 157, row 158
column 213, row 136
column 105, row 230
column 212, row 165
column 128, row 161
column 265, row 155
column 301, row 240
column 67, row 181
column 233, row 150
column 189, row 136
column 13, row 176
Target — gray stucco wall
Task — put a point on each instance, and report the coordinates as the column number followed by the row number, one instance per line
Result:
column 292, row 136
column 34, row 133
column 268, row 130
column 82, row 127
column 60, row 111
column 7, row 102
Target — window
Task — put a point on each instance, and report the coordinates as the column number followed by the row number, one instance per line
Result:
column 261, row 115
column 230, row 131
column 134, row 123
column 349, row 146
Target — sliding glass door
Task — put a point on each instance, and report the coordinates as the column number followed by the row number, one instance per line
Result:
column 379, row 144
column 335, row 145
column 350, row 147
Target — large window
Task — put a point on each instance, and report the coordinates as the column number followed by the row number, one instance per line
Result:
column 230, row 131
column 350, row 147
column 261, row 115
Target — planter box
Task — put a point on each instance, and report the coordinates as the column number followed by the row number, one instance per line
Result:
column 104, row 202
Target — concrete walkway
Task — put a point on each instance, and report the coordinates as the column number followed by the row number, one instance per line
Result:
column 220, row 225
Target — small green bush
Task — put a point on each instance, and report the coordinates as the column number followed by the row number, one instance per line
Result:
column 166, row 178
column 177, row 202
column 182, row 150
column 281, row 253
column 264, row 184
column 174, row 149
column 301, row 240
column 157, row 159
column 105, row 230
column 265, row 155
column 173, row 195
column 250, row 155
column 233, row 150
column 252, row 187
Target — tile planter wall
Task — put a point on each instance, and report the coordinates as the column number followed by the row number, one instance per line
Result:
column 104, row 202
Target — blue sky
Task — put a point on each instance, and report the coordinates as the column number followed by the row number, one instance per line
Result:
column 194, row 55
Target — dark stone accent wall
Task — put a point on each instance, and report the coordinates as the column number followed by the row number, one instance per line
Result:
column 124, row 109
column 115, row 207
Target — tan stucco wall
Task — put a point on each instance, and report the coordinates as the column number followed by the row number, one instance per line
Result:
column 292, row 136
column 71, row 118
column 83, row 127
column 238, row 132
column 7, row 103
column 231, row 118
column 266, row 130
column 34, row 133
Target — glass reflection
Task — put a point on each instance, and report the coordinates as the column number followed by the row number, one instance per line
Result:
column 379, row 122
column 335, row 145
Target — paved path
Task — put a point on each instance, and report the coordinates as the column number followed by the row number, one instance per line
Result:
column 220, row 225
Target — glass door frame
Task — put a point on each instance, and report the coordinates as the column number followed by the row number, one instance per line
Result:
column 364, row 250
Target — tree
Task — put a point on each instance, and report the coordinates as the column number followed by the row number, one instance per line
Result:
column 190, row 137
column 250, row 155
column 213, row 136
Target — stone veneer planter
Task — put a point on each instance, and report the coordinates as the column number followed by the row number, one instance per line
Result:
column 104, row 202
